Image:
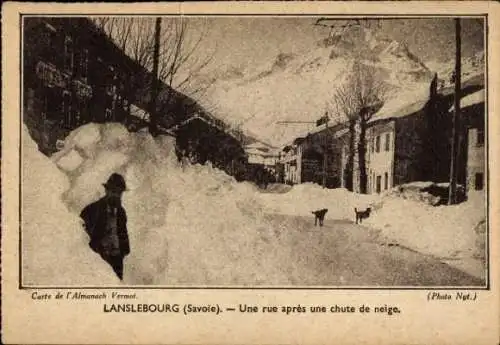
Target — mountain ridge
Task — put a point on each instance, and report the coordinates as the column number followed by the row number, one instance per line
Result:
column 299, row 87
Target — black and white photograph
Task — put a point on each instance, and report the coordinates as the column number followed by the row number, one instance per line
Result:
column 254, row 151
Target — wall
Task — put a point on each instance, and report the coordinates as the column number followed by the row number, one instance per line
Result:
column 313, row 156
column 289, row 161
column 344, row 160
column 312, row 159
column 476, row 161
column 254, row 158
column 264, row 159
column 87, row 79
column 409, row 155
column 382, row 162
column 476, row 151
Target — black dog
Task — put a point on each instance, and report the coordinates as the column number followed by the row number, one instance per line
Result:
column 360, row 215
column 319, row 215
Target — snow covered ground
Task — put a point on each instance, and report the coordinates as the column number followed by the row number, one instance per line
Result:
column 54, row 250
column 449, row 233
column 445, row 232
column 186, row 224
column 191, row 224
column 307, row 197
column 442, row 231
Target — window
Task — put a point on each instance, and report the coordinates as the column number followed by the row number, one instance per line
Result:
column 372, row 144
column 108, row 115
column 386, row 181
column 66, row 110
column 110, row 89
column 52, row 104
column 479, row 181
column 377, row 144
column 30, row 100
column 387, row 141
column 48, row 42
column 78, row 116
column 480, row 137
column 85, row 63
column 68, row 54
column 379, row 183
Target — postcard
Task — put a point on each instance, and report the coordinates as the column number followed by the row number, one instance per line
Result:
column 250, row 172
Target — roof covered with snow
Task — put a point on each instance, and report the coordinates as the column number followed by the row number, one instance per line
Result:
column 476, row 80
column 471, row 99
column 411, row 101
column 403, row 103
column 262, row 153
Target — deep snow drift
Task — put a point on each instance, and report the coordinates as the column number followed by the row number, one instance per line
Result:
column 187, row 225
column 54, row 248
column 443, row 231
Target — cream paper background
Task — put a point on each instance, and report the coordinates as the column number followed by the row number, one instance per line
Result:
column 74, row 321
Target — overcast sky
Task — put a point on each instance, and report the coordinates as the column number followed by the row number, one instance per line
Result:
column 244, row 40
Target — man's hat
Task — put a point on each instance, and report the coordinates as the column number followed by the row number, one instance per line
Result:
column 116, row 181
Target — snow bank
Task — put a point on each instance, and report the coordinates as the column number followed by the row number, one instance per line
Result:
column 54, row 247
column 187, row 225
column 442, row 231
column 428, row 192
column 304, row 198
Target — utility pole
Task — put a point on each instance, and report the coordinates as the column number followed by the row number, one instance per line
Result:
column 325, row 150
column 452, row 197
column 153, row 121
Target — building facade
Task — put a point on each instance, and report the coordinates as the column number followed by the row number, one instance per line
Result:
column 473, row 109
column 262, row 154
column 412, row 143
column 72, row 74
column 291, row 160
column 315, row 157
column 380, row 156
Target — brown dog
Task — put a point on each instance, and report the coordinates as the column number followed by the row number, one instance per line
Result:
column 319, row 215
column 360, row 215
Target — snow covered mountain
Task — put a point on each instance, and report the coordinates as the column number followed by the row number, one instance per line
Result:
column 299, row 87
column 471, row 66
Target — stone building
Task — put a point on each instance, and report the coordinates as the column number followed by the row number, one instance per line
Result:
column 73, row 74
column 405, row 143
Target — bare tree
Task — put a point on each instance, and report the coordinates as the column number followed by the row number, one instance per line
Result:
column 345, row 104
column 153, row 122
column 359, row 98
column 180, row 62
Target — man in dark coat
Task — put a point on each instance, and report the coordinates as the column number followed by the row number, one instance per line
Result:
column 106, row 223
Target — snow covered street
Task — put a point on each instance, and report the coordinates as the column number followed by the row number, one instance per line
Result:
column 345, row 254
column 194, row 225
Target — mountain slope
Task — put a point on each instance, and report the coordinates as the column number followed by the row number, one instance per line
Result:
column 300, row 87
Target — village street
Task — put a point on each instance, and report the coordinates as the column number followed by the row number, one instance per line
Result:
column 189, row 166
column 342, row 253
